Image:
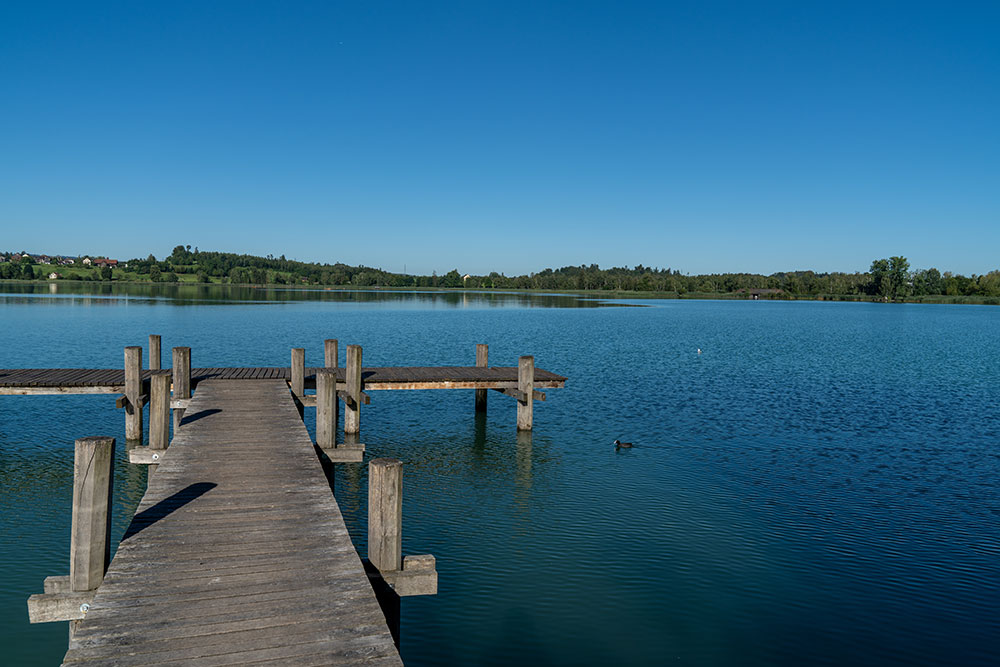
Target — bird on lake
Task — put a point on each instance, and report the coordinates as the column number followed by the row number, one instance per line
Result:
column 620, row 445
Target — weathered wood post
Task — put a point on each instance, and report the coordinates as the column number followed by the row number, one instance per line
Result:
column 154, row 352
column 352, row 409
column 67, row 598
column 90, row 525
column 385, row 514
column 133, row 393
column 326, row 406
column 526, row 389
column 159, row 414
column 299, row 376
column 482, row 361
column 331, row 354
column 182, row 380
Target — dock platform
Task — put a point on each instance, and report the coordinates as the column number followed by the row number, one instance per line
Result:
column 238, row 552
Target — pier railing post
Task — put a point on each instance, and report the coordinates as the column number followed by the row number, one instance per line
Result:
column 352, row 409
column 159, row 413
column 482, row 361
column 326, row 406
column 526, row 387
column 67, row 598
column 155, row 358
column 181, row 358
column 330, row 353
column 385, row 514
column 299, row 376
column 90, row 538
column 90, row 531
column 133, row 393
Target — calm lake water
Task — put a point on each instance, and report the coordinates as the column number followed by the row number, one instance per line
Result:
column 820, row 486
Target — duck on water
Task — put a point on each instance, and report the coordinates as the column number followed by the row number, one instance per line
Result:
column 622, row 445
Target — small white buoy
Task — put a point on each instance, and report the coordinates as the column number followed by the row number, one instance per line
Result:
column 699, row 350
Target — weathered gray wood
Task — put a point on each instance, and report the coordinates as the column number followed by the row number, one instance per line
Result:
column 352, row 408
column 418, row 576
column 326, row 404
column 159, row 411
column 179, row 404
column 482, row 361
column 331, row 353
column 133, row 389
column 346, row 453
column 526, row 385
column 54, row 607
column 521, row 396
column 155, row 355
column 181, row 363
column 146, row 456
column 237, row 552
column 90, row 537
column 298, row 371
column 385, row 514
column 58, row 584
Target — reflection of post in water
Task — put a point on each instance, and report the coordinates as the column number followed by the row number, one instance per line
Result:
column 523, row 458
column 351, row 474
column 479, row 434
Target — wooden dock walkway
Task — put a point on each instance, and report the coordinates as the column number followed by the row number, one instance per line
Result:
column 238, row 552
column 112, row 380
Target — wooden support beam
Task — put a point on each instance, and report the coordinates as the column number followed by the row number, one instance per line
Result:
column 352, row 408
column 298, row 372
column 159, row 411
column 346, row 453
column 526, row 385
column 520, row 395
column 482, row 361
column 155, row 356
column 146, row 455
column 123, row 402
column 345, row 396
column 326, row 404
column 57, row 584
column 181, row 358
column 385, row 513
column 90, row 534
column 133, row 389
column 51, row 607
column 413, row 575
column 331, row 353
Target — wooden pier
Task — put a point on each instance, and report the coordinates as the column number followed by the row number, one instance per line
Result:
column 238, row 552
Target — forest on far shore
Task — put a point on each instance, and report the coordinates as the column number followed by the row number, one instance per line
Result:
column 887, row 279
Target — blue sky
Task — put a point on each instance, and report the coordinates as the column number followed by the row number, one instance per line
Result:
column 506, row 136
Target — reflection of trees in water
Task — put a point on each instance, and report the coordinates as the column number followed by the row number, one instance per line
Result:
column 182, row 295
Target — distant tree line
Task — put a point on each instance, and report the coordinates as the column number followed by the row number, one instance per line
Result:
column 887, row 279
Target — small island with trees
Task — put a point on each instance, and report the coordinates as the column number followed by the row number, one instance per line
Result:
column 890, row 279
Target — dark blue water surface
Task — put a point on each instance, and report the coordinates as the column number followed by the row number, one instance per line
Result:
column 821, row 485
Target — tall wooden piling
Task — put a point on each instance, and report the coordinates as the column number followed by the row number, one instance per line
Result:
column 90, row 525
column 159, row 410
column 90, row 537
column 352, row 409
column 155, row 358
column 326, row 409
column 526, row 387
column 299, row 376
column 482, row 361
column 330, row 353
column 133, row 393
column 181, row 358
column 385, row 514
